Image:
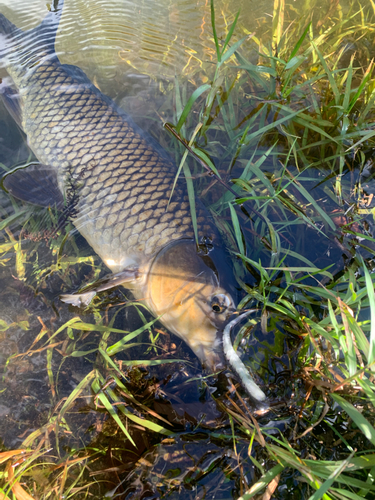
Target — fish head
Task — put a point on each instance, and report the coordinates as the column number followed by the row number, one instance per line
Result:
column 183, row 290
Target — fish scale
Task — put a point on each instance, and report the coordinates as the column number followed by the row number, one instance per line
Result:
column 124, row 181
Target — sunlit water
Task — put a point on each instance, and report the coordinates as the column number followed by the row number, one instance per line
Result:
column 132, row 51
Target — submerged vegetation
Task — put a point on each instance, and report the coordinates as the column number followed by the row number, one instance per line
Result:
column 284, row 118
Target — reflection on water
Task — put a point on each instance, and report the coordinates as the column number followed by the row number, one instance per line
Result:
column 133, row 50
column 109, row 39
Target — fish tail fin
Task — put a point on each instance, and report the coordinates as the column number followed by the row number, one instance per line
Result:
column 24, row 49
column 6, row 27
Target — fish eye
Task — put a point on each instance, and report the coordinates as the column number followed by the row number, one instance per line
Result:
column 219, row 303
column 216, row 308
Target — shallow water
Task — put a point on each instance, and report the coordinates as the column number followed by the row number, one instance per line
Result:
column 134, row 51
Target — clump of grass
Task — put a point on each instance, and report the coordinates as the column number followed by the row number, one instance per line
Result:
column 298, row 155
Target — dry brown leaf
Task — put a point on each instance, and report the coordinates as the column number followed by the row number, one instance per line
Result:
column 6, row 455
column 19, row 492
column 271, row 487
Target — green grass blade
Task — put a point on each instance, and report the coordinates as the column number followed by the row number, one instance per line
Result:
column 191, row 195
column 152, row 426
column 302, row 269
column 230, row 32
column 229, row 53
column 263, row 482
column 371, row 297
column 237, row 229
column 348, row 494
column 361, row 422
column 121, row 344
column 316, row 206
column 299, row 43
column 13, row 218
column 251, row 168
column 314, row 127
column 368, row 108
column 202, row 155
column 348, row 86
column 187, row 109
column 332, row 478
column 110, row 361
column 278, row 21
column 329, row 74
column 107, row 404
column 256, row 69
column 272, row 125
column 182, row 162
column 88, row 327
column 77, row 391
column 365, row 79
column 213, row 24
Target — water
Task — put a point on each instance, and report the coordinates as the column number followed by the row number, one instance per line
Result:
column 134, row 51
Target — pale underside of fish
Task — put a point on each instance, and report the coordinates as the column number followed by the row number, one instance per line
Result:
column 120, row 183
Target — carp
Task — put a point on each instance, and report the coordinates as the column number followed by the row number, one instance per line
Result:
column 126, row 203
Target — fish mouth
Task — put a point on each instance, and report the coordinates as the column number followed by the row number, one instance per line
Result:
column 238, row 367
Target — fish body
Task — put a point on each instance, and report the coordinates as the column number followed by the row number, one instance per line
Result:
column 121, row 182
column 123, row 179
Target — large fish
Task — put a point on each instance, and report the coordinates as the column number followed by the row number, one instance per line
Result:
column 117, row 183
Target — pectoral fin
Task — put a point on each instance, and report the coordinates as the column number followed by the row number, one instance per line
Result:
column 36, row 184
column 79, row 299
column 84, row 298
